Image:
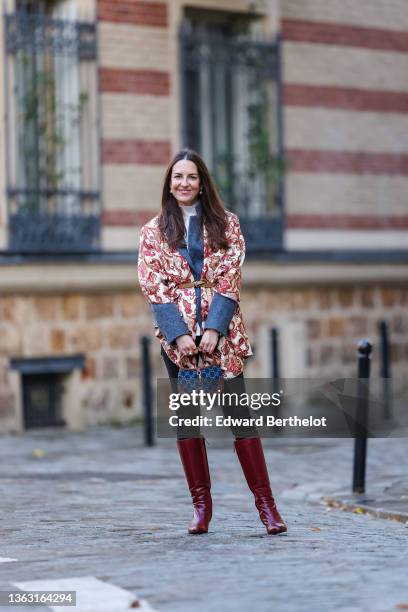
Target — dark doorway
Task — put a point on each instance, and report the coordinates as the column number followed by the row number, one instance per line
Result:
column 42, row 400
column 43, row 380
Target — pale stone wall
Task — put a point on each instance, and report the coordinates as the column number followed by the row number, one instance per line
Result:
column 105, row 328
column 319, row 329
column 334, row 319
column 135, row 116
column 338, row 239
column 370, row 13
column 332, row 65
column 122, row 45
column 133, row 187
column 344, row 193
column 339, row 130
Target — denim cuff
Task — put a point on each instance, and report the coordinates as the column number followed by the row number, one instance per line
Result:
column 169, row 321
column 220, row 313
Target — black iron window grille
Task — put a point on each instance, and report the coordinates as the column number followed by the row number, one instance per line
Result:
column 52, row 131
column 231, row 114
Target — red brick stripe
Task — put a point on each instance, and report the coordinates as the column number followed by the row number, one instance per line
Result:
column 143, row 152
column 133, row 12
column 127, row 218
column 313, row 160
column 344, row 35
column 345, row 222
column 346, row 97
column 151, row 82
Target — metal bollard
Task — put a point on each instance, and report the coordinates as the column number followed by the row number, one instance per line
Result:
column 275, row 367
column 385, row 371
column 360, row 443
column 275, row 353
column 147, row 392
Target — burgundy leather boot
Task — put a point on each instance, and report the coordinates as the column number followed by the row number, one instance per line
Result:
column 193, row 456
column 251, row 456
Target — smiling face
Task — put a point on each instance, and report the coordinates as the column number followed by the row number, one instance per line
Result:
column 185, row 182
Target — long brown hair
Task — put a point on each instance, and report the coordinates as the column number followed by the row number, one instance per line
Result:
column 214, row 217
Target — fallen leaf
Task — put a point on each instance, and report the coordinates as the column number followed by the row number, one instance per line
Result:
column 402, row 606
column 359, row 510
column 314, row 528
column 38, row 453
column 135, row 604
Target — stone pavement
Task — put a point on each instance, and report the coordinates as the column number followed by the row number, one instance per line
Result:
column 98, row 506
column 387, row 499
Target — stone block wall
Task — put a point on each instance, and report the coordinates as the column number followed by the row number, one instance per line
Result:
column 331, row 321
column 319, row 329
column 105, row 328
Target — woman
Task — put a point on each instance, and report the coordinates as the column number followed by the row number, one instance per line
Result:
column 189, row 267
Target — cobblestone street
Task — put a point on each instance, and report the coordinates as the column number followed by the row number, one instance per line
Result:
column 99, row 504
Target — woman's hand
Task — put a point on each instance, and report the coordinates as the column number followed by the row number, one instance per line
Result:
column 186, row 345
column 209, row 341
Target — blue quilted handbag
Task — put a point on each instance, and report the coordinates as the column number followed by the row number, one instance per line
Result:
column 209, row 379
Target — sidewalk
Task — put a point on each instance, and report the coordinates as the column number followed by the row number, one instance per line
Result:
column 97, row 508
column 387, row 500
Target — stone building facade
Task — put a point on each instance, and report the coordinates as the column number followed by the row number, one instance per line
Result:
column 71, row 318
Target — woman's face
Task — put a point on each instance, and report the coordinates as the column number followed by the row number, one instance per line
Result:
column 185, row 182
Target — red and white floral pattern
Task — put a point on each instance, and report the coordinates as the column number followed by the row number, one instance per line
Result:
column 161, row 269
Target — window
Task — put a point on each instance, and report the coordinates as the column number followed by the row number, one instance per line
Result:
column 231, row 115
column 52, row 169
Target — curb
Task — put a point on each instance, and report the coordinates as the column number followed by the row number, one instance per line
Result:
column 358, row 504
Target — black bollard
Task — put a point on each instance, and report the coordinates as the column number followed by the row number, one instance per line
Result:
column 360, row 443
column 385, row 371
column 274, row 353
column 147, row 392
column 275, row 369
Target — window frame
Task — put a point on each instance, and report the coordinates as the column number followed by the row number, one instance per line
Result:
column 70, row 219
column 263, row 234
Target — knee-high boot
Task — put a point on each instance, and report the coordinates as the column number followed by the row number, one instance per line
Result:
column 193, row 456
column 251, row 456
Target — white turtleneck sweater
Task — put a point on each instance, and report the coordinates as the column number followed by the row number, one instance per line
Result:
column 188, row 212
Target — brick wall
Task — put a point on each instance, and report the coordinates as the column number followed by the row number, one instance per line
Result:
column 346, row 136
column 345, row 119
column 134, row 83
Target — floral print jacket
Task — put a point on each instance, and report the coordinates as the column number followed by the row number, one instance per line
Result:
column 161, row 269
